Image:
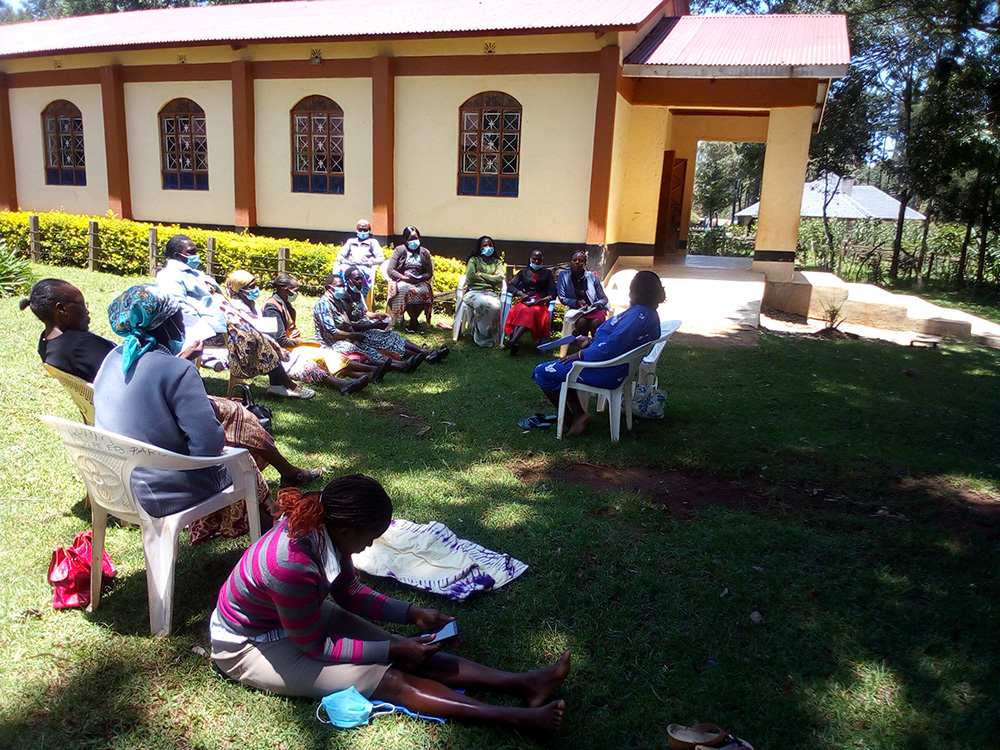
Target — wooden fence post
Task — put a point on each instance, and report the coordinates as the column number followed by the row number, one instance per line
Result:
column 92, row 230
column 34, row 239
column 152, row 251
column 282, row 260
column 210, row 256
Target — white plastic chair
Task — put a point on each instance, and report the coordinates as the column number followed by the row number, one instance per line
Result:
column 620, row 398
column 106, row 462
column 383, row 271
column 463, row 312
column 79, row 390
column 647, row 368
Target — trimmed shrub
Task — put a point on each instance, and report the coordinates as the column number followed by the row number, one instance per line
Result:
column 15, row 272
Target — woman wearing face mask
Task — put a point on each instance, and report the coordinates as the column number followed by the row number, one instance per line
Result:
column 484, row 274
column 363, row 251
column 293, row 619
column 198, row 295
column 308, row 359
column 532, row 289
column 410, row 273
column 144, row 392
column 581, row 292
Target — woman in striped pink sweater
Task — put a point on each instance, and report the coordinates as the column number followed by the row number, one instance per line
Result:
column 275, row 629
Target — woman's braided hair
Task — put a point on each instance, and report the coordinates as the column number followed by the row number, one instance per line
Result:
column 44, row 296
column 354, row 501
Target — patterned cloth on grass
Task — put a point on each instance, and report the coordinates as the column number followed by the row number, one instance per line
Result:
column 430, row 557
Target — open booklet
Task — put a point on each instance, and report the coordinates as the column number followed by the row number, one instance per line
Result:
column 565, row 340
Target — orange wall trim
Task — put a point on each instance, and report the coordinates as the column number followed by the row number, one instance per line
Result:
column 59, row 77
column 8, row 179
column 244, row 140
column 604, row 132
column 725, row 92
column 277, row 69
column 178, row 72
column 383, row 144
column 116, row 141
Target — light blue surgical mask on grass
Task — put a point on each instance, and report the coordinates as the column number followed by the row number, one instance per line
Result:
column 193, row 261
column 364, row 235
column 487, row 251
column 413, row 245
column 348, row 708
column 535, row 266
column 253, row 294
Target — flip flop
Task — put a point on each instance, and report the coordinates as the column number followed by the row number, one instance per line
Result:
column 689, row 738
column 303, row 478
column 730, row 743
column 536, row 420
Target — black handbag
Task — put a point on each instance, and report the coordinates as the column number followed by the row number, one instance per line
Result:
column 263, row 413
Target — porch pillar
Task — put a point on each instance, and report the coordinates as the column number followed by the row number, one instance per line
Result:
column 244, row 145
column 383, row 146
column 8, row 179
column 116, row 141
column 785, row 160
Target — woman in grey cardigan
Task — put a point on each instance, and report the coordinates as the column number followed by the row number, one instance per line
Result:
column 144, row 392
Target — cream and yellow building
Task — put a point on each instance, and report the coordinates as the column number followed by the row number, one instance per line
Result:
column 544, row 123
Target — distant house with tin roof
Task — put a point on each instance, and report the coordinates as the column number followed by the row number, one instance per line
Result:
column 844, row 200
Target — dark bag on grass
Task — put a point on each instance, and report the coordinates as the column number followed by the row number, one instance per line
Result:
column 263, row 413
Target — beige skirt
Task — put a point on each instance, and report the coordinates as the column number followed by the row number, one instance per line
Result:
column 280, row 667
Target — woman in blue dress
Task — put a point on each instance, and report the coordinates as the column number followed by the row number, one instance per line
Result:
column 638, row 325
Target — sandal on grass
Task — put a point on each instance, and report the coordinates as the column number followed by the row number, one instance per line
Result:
column 731, row 742
column 699, row 735
column 304, row 477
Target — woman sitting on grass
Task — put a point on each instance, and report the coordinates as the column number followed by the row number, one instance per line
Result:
column 638, row 325
column 275, row 629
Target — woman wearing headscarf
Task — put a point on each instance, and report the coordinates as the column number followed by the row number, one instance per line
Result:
column 144, row 392
column 410, row 271
column 484, row 274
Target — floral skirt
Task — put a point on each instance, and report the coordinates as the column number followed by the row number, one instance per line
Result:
column 242, row 431
column 251, row 353
column 381, row 344
column 403, row 294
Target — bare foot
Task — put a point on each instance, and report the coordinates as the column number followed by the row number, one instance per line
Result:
column 579, row 425
column 544, row 718
column 542, row 683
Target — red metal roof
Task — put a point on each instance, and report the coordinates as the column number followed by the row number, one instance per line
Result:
column 720, row 43
column 317, row 20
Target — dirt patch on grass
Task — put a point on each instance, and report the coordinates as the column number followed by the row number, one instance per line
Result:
column 680, row 492
column 957, row 504
column 939, row 501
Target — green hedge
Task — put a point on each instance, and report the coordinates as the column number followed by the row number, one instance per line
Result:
column 123, row 248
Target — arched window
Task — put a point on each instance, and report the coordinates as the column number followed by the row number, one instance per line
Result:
column 317, row 146
column 183, row 146
column 489, row 145
column 62, row 127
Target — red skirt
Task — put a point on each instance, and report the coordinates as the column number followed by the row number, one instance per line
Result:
column 533, row 317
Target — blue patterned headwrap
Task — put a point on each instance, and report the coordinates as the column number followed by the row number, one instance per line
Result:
column 134, row 313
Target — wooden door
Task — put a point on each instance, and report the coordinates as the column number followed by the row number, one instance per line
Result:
column 668, row 217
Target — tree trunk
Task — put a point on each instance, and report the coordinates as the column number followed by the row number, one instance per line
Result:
column 969, row 224
column 984, row 223
column 897, row 242
column 923, row 250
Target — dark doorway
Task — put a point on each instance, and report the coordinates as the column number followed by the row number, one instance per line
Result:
column 668, row 217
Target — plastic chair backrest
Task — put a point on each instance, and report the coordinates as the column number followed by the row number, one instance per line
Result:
column 79, row 390
column 106, row 462
column 667, row 328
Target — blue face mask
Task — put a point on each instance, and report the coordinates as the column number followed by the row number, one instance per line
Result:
column 340, row 292
column 253, row 294
column 193, row 261
column 357, row 290
column 413, row 245
column 175, row 346
column 292, row 296
column 487, row 251
column 364, row 235
column 535, row 266
column 348, row 708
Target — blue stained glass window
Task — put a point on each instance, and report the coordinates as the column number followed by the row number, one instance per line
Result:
column 317, row 131
column 337, row 185
column 489, row 143
column 183, row 146
column 62, row 134
column 170, row 181
column 300, row 183
column 187, row 181
column 318, row 183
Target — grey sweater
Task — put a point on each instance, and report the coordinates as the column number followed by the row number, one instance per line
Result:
column 163, row 403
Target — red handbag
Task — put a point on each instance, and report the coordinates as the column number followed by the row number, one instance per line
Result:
column 69, row 572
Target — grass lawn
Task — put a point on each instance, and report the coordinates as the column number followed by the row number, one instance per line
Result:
column 805, row 552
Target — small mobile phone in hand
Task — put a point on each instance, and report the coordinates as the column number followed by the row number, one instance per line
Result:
column 448, row 631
